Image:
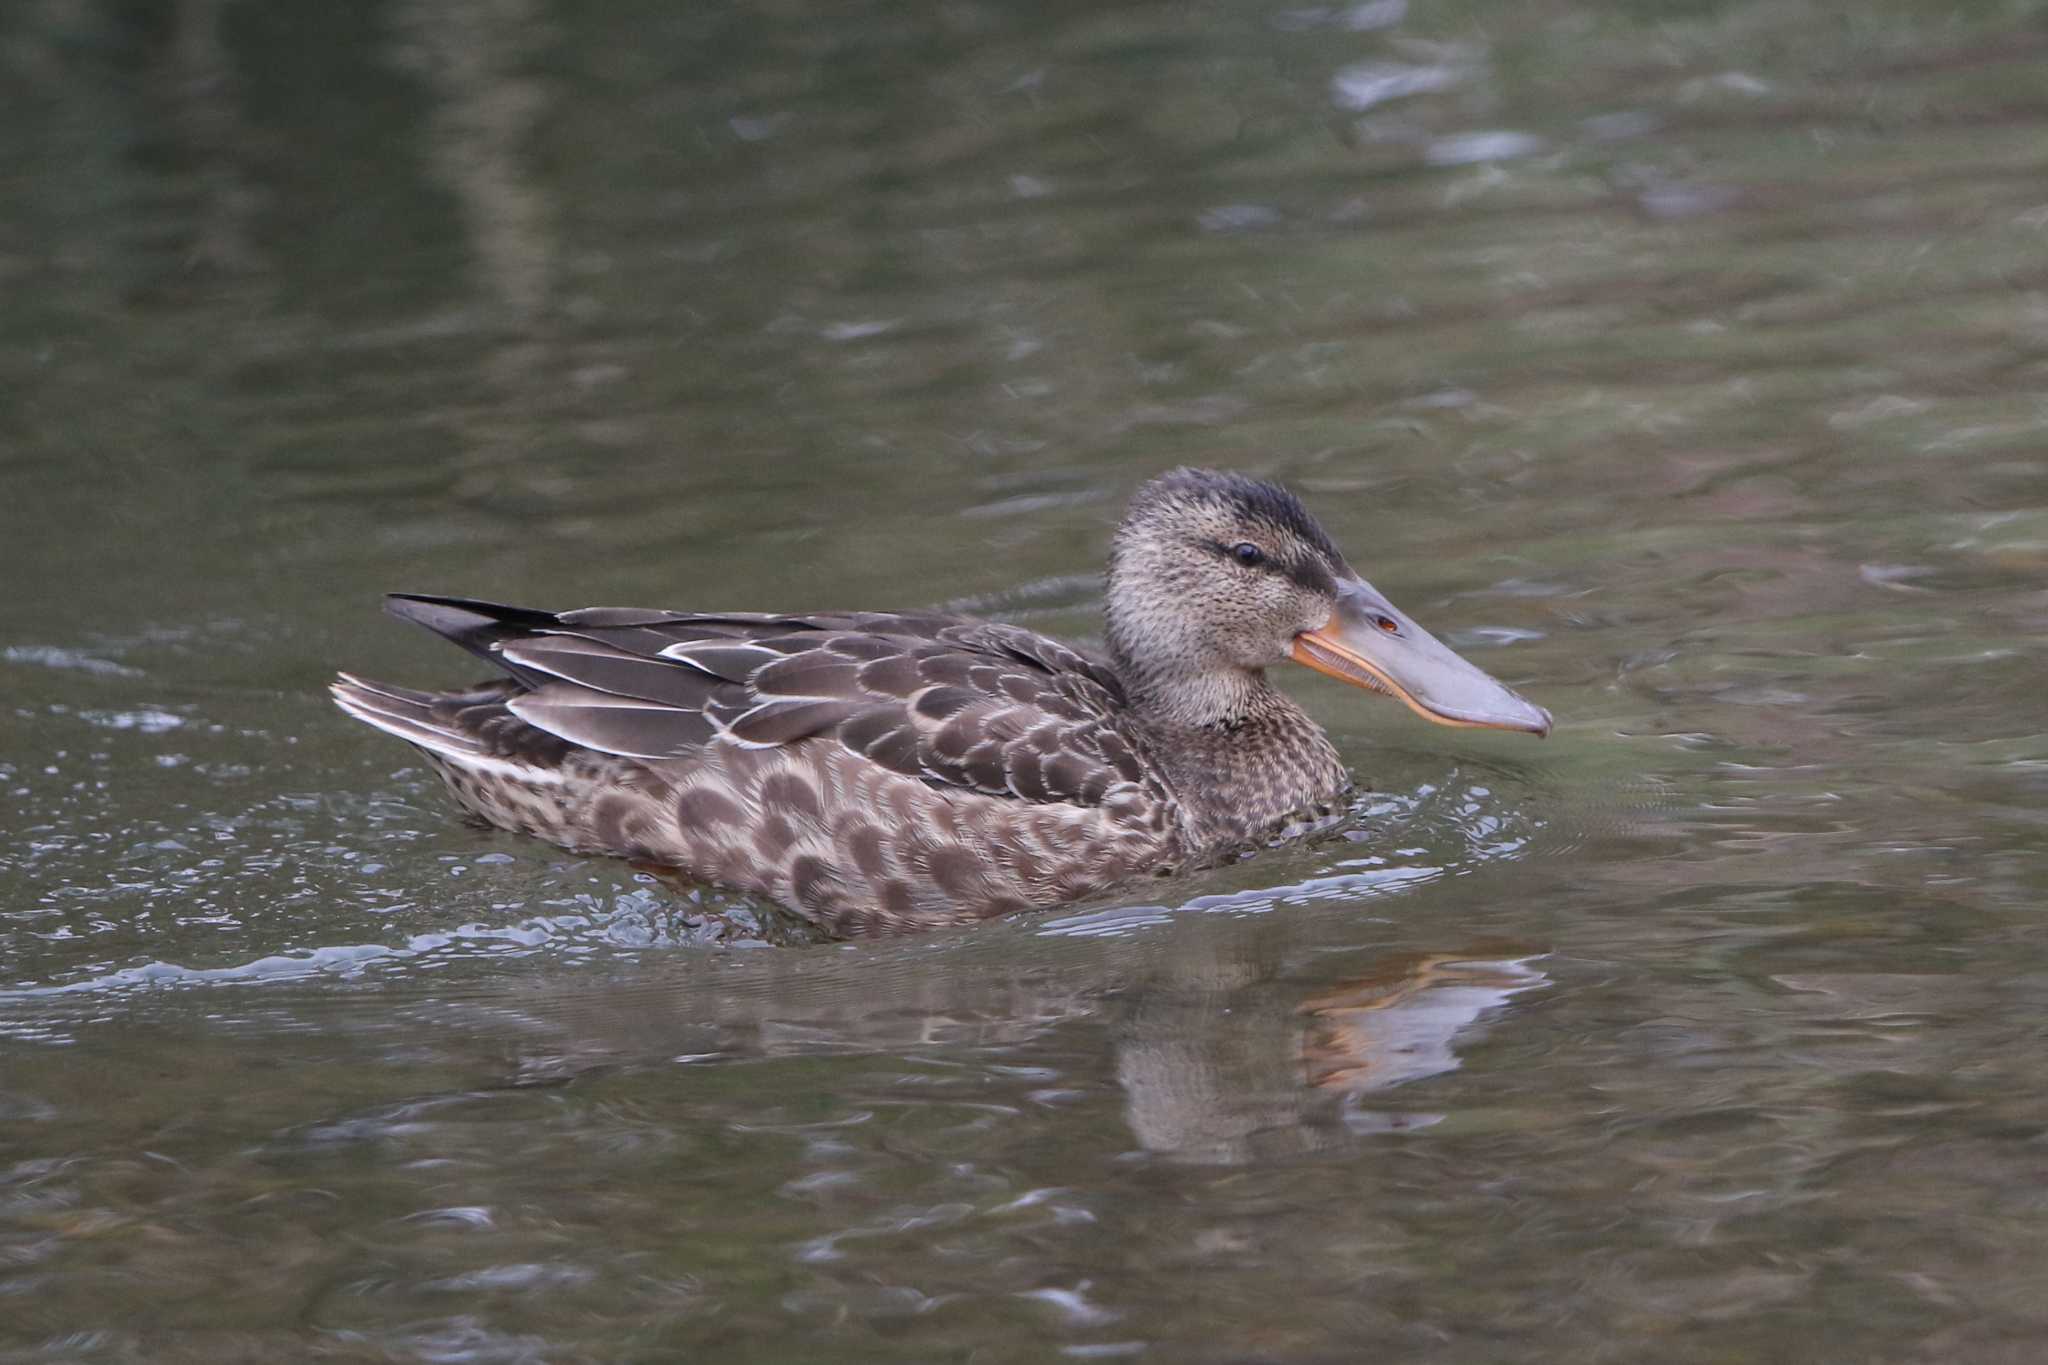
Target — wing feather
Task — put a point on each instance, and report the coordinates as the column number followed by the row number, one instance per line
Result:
column 604, row 668
column 953, row 702
column 785, row 722
column 627, row 726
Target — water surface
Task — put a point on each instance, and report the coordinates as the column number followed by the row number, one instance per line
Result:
column 1682, row 364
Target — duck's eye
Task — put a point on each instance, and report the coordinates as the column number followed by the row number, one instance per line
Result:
column 1248, row 554
column 1387, row 624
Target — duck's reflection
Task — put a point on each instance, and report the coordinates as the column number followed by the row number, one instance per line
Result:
column 1400, row 1024
column 1223, row 1038
column 1222, row 1051
column 1226, row 1064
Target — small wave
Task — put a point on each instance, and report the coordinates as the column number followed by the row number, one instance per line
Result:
column 633, row 923
column 1435, row 830
column 55, row 656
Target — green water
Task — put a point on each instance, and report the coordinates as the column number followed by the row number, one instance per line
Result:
column 1684, row 364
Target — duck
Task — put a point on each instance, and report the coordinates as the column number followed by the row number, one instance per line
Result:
column 876, row 771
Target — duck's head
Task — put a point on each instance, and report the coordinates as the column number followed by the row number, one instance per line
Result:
column 1214, row 577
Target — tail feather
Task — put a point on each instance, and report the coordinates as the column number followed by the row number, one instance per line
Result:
column 460, row 730
column 405, row 713
column 408, row 697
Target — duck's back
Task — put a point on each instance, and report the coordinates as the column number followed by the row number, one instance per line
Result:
column 863, row 768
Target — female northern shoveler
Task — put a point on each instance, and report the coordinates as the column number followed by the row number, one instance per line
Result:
column 876, row 770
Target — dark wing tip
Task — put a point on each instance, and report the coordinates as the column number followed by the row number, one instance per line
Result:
column 466, row 620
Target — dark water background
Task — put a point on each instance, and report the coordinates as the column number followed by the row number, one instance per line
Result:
column 1684, row 363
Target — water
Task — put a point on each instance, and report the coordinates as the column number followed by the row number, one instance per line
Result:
column 1683, row 364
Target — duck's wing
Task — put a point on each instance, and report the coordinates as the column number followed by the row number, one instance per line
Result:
column 954, row 702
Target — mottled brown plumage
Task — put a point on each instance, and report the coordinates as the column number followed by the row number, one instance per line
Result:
column 875, row 770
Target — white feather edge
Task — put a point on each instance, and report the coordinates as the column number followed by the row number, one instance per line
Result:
column 526, row 704
column 445, row 743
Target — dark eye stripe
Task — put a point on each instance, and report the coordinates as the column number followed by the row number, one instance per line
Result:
column 1306, row 572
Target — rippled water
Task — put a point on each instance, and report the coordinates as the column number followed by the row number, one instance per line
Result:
column 1686, row 365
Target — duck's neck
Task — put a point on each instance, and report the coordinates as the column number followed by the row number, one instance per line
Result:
column 1221, row 699
column 1243, row 759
